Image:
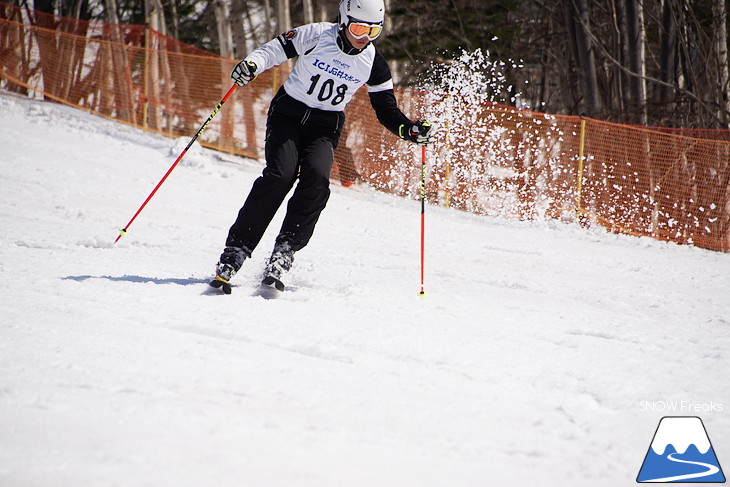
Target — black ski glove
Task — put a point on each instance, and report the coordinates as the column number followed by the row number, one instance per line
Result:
column 419, row 132
column 244, row 72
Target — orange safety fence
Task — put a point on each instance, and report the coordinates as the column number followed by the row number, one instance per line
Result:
column 669, row 184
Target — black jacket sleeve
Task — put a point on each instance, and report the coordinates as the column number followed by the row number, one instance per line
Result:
column 383, row 100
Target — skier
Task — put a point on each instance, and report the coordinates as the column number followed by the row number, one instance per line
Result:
column 304, row 123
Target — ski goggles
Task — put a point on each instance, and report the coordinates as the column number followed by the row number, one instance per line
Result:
column 361, row 29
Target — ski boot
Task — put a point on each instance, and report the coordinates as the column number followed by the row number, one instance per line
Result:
column 229, row 263
column 279, row 263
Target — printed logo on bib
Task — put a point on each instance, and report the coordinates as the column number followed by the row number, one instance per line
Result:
column 289, row 35
column 335, row 71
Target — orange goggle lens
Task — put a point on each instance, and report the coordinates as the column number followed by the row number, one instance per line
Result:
column 359, row 30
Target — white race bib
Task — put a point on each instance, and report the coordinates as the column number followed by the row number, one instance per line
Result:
column 324, row 77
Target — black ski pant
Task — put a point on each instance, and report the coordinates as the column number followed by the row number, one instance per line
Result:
column 295, row 149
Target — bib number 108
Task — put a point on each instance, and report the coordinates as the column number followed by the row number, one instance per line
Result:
column 327, row 89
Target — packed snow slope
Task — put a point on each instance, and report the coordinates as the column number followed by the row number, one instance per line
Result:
column 542, row 355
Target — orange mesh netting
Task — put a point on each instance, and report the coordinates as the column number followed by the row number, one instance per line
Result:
column 669, row 184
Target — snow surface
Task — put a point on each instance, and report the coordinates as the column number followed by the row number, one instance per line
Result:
column 532, row 360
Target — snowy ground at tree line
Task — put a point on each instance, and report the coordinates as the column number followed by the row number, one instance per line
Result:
column 540, row 356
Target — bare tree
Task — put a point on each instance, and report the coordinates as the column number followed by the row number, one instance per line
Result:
column 156, row 61
column 239, row 12
column 268, row 15
column 719, row 16
column 155, row 14
column 121, row 91
column 283, row 15
column 225, row 45
column 175, row 18
column 308, row 11
column 225, row 32
column 668, row 53
column 637, row 59
column 577, row 18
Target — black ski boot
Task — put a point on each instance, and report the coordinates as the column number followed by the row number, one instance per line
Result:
column 229, row 263
column 279, row 263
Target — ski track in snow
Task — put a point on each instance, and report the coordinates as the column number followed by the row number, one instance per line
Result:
column 524, row 364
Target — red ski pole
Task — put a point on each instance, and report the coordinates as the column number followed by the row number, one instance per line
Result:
column 123, row 231
column 423, row 215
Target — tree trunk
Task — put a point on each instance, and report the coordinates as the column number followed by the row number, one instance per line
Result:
column 719, row 14
column 668, row 54
column 47, row 48
column 175, row 20
column 225, row 45
column 578, row 19
column 268, row 20
column 156, row 16
column 225, row 32
column 121, row 79
column 238, row 21
column 308, row 11
column 78, row 9
column 283, row 15
column 622, row 75
column 157, row 61
column 636, row 41
column 324, row 15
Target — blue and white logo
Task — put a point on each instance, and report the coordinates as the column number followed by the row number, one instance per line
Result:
column 681, row 452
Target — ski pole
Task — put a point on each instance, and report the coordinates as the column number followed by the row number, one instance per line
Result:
column 123, row 231
column 423, row 215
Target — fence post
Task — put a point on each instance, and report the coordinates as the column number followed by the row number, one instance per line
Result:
column 447, row 168
column 146, row 77
column 581, row 158
column 447, row 186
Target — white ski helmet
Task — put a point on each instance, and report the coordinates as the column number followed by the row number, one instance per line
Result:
column 369, row 11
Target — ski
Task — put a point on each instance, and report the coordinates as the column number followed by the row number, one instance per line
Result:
column 224, row 286
column 272, row 282
column 268, row 284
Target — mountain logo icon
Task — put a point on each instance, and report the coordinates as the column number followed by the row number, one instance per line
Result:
column 681, row 452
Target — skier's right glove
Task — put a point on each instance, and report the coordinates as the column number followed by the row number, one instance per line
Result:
column 420, row 133
column 244, row 72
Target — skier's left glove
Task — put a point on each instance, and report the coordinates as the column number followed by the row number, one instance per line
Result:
column 244, row 72
column 419, row 132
